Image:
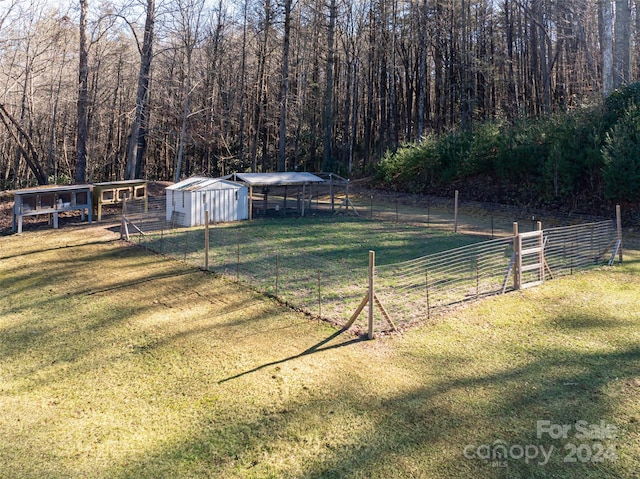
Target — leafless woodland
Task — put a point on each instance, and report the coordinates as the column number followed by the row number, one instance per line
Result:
column 161, row 89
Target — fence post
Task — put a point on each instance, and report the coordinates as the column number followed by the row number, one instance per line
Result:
column 319, row 296
column 372, row 267
column 428, row 212
column 238, row 258
column 206, row 239
column 371, row 205
column 426, row 282
column 455, row 212
column 477, row 276
column 541, row 258
column 619, row 227
column 517, row 263
column 277, row 271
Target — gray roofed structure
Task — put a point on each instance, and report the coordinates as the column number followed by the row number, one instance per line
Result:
column 286, row 178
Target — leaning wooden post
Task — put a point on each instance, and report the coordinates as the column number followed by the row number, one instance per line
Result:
column 455, row 212
column 517, row 263
column 206, row 239
column 124, row 227
column 372, row 267
column 619, row 227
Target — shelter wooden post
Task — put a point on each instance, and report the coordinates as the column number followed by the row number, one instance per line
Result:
column 284, row 202
column 619, row 228
column 304, row 195
column 371, row 298
column 517, row 263
column 250, row 202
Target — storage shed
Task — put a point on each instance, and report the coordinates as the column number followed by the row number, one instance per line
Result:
column 188, row 200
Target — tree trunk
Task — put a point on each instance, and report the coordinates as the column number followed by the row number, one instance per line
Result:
column 622, row 44
column 282, row 143
column 83, row 98
column 329, row 91
column 605, row 23
column 137, row 139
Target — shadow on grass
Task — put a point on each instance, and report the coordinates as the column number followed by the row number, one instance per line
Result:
column 318, row 347
column 348, row 429
column 56, row 248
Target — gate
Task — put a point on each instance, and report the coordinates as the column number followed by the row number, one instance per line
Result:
column 528, row 250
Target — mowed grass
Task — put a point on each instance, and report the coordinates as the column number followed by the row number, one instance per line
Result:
column 118, row 363
column 306, row 261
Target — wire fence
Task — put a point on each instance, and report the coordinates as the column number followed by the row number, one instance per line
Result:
column 415, row 289
column 328, row 279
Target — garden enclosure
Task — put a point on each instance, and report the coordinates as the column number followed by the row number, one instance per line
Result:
column 319, row 263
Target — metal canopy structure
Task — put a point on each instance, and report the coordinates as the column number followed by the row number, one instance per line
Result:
column 270, row 181
column 288, row 178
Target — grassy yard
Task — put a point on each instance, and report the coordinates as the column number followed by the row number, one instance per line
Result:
column 118, row 363
column 288, row 257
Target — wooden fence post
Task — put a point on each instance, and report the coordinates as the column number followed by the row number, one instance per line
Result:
column 206, row 239
column 517, row 263
column 319, row 295
column 372, row 267
column 619, row 228
column 541, row 259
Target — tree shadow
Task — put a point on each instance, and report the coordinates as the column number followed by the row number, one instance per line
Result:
column 318, row 347
column 420, row 432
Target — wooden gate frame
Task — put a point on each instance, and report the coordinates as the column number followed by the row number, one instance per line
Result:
column 519, row 253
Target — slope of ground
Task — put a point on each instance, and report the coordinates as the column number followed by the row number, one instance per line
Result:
column 117, row 363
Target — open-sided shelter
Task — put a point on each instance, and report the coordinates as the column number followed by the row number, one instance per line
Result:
column 188, row 200
column 293, row 184
column 115, row 192
column 50, row 200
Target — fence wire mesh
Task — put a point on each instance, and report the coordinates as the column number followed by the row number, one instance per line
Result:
column 329, row 279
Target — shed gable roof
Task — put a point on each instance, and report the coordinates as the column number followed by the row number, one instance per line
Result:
column 202, row 183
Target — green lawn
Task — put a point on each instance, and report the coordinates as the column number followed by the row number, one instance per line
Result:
column 118, row 363
column 307, row 261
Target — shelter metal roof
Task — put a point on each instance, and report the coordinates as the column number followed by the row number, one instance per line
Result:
column 201, row 183
column 278, row 179
column 52, row 189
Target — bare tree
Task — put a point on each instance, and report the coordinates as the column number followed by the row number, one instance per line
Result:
column 138, row 137
column 83, row 99
column 622, row 44
column 189, row 23
column 605, row 16
column 284, row 89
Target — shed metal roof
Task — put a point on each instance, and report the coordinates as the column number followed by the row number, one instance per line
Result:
column 278, row 179
column 201, row 183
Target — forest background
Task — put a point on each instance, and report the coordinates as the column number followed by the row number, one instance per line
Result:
column 520, row 101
